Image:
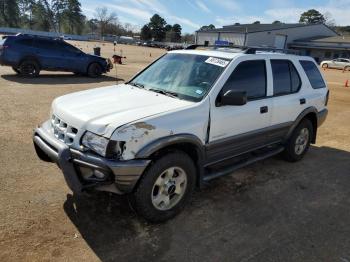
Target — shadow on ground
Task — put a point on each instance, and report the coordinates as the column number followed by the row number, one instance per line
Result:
column 58, row 79
column 271, row 211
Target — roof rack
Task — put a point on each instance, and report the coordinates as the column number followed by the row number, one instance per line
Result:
column 40, row 36
column 247, row 49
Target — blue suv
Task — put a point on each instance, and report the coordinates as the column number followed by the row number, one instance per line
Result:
column 28, row 54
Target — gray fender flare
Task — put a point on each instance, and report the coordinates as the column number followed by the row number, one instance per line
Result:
column 167, row 141
column 298, row 120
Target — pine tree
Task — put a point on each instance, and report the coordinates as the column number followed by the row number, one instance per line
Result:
column 9, row 13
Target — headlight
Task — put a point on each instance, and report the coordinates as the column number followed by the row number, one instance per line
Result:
column 96, row 143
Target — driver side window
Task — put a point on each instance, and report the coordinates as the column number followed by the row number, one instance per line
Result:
column 248, row 76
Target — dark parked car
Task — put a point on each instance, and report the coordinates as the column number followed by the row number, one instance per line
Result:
column 28, row 54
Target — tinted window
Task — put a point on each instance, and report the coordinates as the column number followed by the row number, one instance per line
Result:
column 249, row 76
column 25, row 42
column 286, row 79
column 69, row 48
column 313, row 74
column 44, row 44
column 296, row 80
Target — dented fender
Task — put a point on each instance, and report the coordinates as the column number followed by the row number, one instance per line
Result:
column 191, row 123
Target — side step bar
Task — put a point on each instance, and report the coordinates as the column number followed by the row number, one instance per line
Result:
column 231, row 169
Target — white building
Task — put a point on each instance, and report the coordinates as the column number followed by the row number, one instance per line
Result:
column 278, row 35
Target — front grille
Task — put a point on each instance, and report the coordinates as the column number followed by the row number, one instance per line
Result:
column 63, row 131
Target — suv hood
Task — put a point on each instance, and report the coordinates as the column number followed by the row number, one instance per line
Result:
column 102, row 110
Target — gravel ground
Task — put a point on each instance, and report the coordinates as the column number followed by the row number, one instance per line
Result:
column 270, row 211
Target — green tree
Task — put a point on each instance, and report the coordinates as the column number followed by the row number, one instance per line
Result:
column 40, row 20
column 26, row 13
column 312, row 16
column 146, row 33
column 276, row 22
column 73, row 17
column 9, row 13
column 177, row 29
column 207, row 27
column 256, row 23
column 157, row 27
column 92, row 25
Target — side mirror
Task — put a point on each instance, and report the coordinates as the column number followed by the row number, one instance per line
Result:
column 232, row 98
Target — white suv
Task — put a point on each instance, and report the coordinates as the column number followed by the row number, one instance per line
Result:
column 191, row 116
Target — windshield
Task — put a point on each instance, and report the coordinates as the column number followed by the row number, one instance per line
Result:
column 185, row 76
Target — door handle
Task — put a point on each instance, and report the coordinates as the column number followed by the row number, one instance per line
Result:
column 264, row 109
column 302, row 101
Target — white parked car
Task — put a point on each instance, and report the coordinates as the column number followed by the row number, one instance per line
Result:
column 339, row 63
column 190, row 117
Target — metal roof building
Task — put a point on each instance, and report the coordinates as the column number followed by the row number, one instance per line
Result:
column 297, row 36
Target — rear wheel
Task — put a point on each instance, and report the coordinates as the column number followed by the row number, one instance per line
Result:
column 347, row 68
column 299, row 142
column 165, row 187
column 94, row 70
column 29, row 68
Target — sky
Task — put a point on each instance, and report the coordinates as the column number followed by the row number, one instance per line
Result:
column 192, row 14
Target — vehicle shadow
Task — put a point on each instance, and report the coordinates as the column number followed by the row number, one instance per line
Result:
column 261, row 196
column 58, row 79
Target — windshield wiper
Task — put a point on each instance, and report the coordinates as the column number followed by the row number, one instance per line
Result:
column 136, row 85
column 164, row 92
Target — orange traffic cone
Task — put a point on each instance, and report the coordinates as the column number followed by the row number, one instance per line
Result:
column 347, row 83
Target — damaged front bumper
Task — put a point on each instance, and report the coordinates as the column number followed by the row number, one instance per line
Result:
column 84, row 171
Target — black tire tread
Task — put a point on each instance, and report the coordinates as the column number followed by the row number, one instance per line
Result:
column 141, row 200
column 289, row 152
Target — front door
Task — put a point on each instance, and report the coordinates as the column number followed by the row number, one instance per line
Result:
column 237, row 129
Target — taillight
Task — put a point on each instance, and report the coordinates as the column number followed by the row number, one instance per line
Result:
column 326, row 99
column 2, row 47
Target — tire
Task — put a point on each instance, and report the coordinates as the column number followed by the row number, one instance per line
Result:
column 325, row 65
column 347, row 68
column 165, row 187
column 29, row 68
column 94, row 70
column 299, row 142
column 16, row 70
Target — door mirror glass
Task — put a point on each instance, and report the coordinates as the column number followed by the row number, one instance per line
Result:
column 233, row 98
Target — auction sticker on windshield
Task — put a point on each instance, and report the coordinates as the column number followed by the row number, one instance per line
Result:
column 217, row 61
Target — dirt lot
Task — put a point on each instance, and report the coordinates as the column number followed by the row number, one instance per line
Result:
column 271, row 211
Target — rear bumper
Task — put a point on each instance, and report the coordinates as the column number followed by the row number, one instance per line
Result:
column 78, row 167
column 321, row 116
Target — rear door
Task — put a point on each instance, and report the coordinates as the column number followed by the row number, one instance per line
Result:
column 237, row 129
column 48, row 54
column 288, row 100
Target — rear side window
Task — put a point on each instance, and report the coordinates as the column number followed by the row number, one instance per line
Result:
column 25, row 42
column 313, row 74
column 44, row 44
column 249, row 76
column 286, row 79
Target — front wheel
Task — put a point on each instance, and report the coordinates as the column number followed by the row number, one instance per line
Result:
column 299, row 142
column 165, row 187
column 325, row 65
column 94, row 70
